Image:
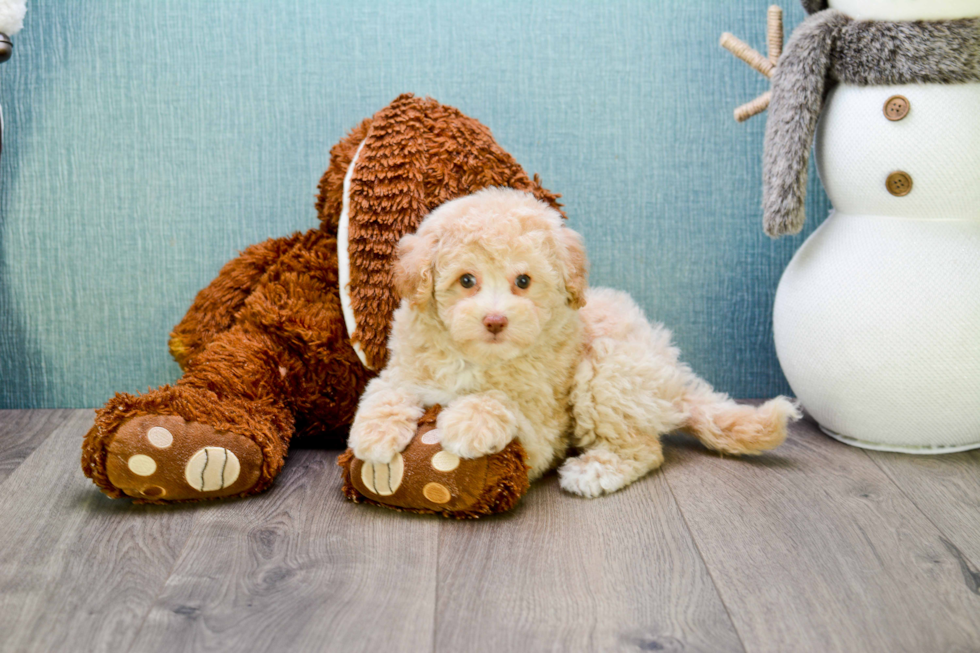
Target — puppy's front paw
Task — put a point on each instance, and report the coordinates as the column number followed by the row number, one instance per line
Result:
column 475, row 426
column 377, row 438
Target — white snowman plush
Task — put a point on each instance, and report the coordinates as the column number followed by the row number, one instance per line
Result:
column 11, row 21
column 877, row 317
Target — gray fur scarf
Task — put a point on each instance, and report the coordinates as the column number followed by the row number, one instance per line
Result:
column 830, row 47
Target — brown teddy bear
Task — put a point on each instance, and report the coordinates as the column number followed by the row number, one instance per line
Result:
column 284, row 340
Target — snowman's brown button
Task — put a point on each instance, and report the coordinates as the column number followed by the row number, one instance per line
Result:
column 899, row 183
column 897, row 107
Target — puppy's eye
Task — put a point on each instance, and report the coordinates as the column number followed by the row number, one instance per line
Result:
column 467, row 280
column 522, row 281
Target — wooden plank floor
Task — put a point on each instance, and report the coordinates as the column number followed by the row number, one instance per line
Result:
column 815, row 547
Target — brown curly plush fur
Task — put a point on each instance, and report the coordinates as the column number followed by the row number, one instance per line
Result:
column 264, row 348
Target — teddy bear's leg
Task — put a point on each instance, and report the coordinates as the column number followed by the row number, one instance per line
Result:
column 224, row 428
column 179, row 443
column 215, row 307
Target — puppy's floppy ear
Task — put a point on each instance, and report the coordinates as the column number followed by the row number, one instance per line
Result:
column 574, row 264
column 414, row 277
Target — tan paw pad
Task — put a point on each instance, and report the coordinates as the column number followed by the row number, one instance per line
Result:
column 383, row 479
column 212, row 468
column 141, row 465
column 160, row 437
column 445, row 461
column 431, row 437
column 436, row 493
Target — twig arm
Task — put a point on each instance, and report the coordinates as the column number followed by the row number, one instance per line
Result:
column 775, row 33
column 746, row 53
column 753, row 108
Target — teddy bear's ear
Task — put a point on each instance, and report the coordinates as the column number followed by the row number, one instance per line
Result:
column 575, row 265
column 414, row 277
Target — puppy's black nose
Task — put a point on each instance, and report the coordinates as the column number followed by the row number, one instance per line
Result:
column 495, row 323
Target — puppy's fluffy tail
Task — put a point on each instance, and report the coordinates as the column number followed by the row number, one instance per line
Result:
column 723, row 425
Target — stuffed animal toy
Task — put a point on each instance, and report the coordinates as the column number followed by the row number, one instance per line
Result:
column 876, row 317
column 12, row 14
column 284, row 340
column 426, row 479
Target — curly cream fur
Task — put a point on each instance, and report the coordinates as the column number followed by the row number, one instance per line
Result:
column 572, row 368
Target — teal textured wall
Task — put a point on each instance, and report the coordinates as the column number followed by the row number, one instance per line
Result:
column 147, row 142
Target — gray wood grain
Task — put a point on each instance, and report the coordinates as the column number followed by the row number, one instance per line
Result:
column 23, row 431
column 78, row 571
column 946, row 489
column 562, row 573
column 300, row 569
column 813, row 548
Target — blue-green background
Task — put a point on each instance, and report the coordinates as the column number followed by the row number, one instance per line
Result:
column 148, row 141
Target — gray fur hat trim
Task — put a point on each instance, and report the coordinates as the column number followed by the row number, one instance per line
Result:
column 813, row 6
column 830, row 47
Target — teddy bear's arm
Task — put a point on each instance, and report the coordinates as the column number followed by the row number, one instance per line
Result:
column 215, row 307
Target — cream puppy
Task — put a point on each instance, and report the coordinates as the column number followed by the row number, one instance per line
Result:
column 498, row 326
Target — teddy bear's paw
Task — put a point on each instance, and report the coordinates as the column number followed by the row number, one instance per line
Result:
column 166, row 458
column 476, row 426
column 593, row 474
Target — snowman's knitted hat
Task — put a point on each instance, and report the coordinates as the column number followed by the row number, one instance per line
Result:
column 830, row 47
column 813, row 6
